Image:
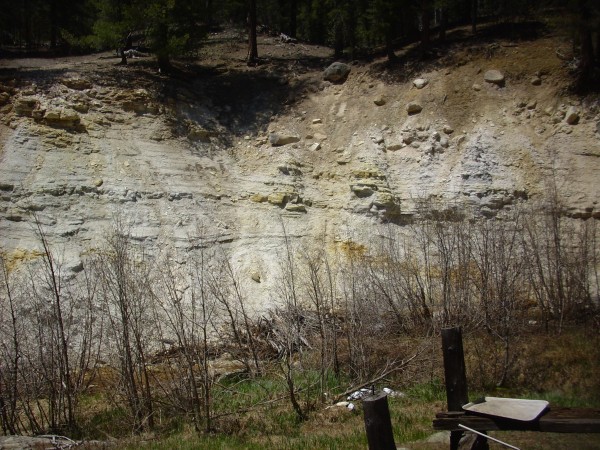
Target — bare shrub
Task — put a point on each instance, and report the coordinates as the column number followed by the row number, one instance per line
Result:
column 224, row 285
column 126, row 289
column 186, row 315
column 50, row 336
column 10, row 350
column 561, row 255
column 500, row 280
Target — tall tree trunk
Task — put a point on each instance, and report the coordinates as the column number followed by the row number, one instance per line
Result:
column 425, row 21
column 473, row 16
column 162, row 53
column 27, row 20
column 293, row 17
column 209, row 12
column 339, row 41
column 252, row 45
column 53, row 24
column 586, row 64
column 598, row 47
column 443, row 23
column 389, row 46
column 164, row 63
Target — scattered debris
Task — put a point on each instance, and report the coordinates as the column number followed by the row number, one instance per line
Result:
column 287, row 39
column 357, row 395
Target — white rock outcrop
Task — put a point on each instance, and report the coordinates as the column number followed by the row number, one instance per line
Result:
column 241, row 171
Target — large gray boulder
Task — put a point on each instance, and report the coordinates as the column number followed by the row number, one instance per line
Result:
column 337, row 72
column 494, row 76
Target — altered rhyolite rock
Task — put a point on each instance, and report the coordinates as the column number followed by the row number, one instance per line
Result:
column 176, row 161
column 278, row 198
column 24, row 106
column 62, row 117
column 139, row 101
column 259, row 198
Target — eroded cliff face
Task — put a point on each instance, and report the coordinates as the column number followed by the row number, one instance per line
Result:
column 244, row 157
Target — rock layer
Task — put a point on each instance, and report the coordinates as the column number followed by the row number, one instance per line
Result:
column 74, row 155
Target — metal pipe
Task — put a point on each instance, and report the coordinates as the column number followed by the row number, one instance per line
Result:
column 488, row 437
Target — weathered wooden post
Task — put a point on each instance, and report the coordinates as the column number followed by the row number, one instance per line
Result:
column 455, row 375
column 456, row 385
column 378, row 422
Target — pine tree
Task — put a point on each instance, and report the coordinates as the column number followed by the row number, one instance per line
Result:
column 171, row 27
column 252, row 43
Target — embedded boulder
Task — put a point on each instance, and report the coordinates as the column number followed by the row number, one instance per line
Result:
column 78, row 84
column 420, row 83
column 379, row 101
column 337, row 72
column 259, row 198
column 363, row 190
column 413, row 108
column 278, row 139
column 572, row 116
column 140, row 102
column 494, row 76
column 384, row 200
column 295, row 207
column 198, row 134
column 255, row 276
column 278, row 198
column 62, row 117
column 24, row 106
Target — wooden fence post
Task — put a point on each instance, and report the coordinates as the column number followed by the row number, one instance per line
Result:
column 454, row 369
column 455, row 375
column 378, row 422
column 456, row 386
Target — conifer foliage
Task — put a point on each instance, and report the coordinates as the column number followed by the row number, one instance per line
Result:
column 353, row 28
